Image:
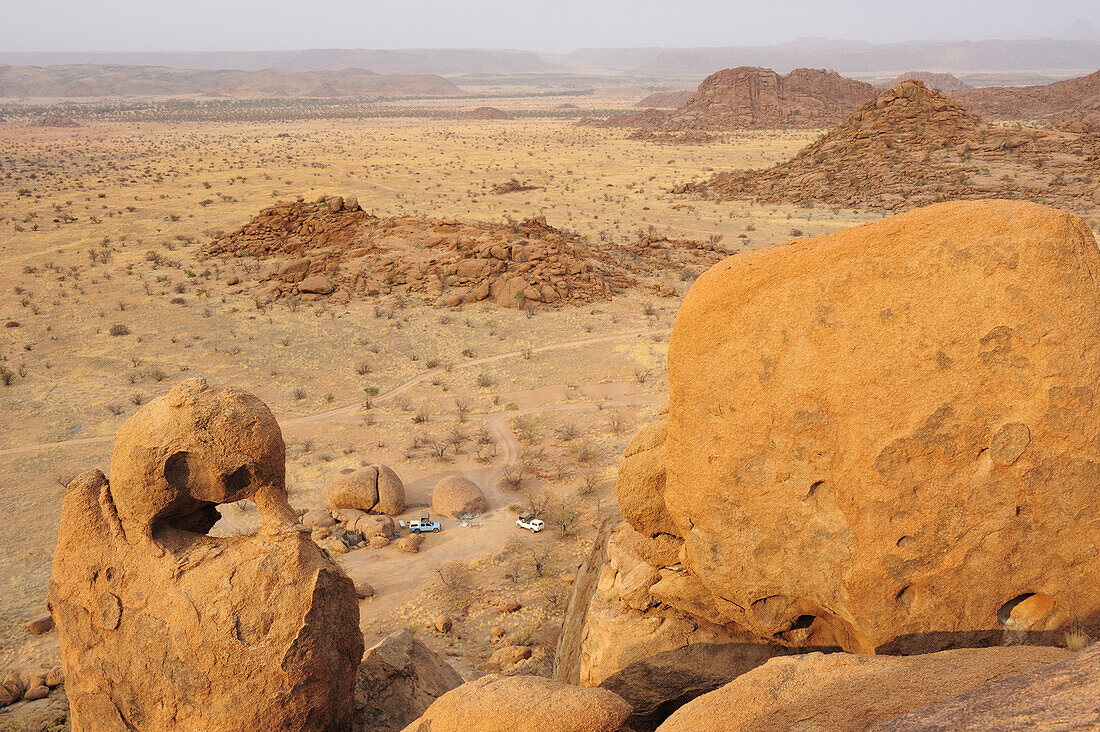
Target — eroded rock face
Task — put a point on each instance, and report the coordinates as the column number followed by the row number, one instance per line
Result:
column 398, row 680
column 163, row 627
column 523, row 704
column 654, row 656
column 889, row 437
column 844, row 692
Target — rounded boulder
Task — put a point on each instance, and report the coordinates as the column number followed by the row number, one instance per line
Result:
column 455, row 495
column 354, row 488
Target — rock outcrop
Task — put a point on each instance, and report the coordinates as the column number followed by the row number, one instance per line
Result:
column 332, row 249
column 1071, row 100
column 56, row 120
column 374, row 489
column 1062, row 695
column 844, row 692
column 942, row 82
column 910, row 147
column 484, row 113
column 163, row 627
column 523, row 704
column 622, row 636
column 398, row 680
column 457, row 496
column 918, row 515
column 748, row 97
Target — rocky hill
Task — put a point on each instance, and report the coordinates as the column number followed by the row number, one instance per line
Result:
column 755, row 98
column 23, row 82
column 1072, row 100
column 911, row 146
column 484, row 113
column 941, row 82
column 331, row 248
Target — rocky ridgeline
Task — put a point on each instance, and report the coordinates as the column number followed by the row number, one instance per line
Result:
column 903, row 462
column 332, row 249
column 747, row 97
column 910, row 147
column 941, row 82
column 1070, row 101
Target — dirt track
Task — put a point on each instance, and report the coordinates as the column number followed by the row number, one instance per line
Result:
column 395, row 576
column 395, row 391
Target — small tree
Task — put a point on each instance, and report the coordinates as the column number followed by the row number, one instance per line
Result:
column 462, row 406
column 538, row 500
column 539, row 557
column 564, row 515
column 455, row 578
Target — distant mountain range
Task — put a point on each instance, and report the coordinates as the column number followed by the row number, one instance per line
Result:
column 412, row 61
column 340, row 72
column 87, row 81
column 1055, row 57
column 1079, row 51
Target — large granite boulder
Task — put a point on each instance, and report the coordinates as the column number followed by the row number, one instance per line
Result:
column 888, row 438
column 161, row 626
column 398, row 680
column 845, row 692
column 523, row 704
column 373, row 488
column 458, row 496
column 1064, row 695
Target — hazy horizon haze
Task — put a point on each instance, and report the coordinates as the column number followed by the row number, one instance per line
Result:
column 278, row 25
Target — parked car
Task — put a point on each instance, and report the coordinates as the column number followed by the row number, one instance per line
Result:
column 528, row 521
column 425, row 523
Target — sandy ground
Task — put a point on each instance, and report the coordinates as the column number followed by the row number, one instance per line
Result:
column 101, row 226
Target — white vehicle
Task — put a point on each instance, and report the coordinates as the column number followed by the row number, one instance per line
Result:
column 424, row 524
column 528, row 521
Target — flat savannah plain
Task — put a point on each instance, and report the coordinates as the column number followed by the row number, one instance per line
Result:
column 106, row 303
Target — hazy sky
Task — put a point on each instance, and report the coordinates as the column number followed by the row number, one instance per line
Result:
column 550, row 25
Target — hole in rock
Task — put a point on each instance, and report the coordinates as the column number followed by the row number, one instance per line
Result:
column 188, row 474
column 238, row 480
column 1006, row 610
column 188, row 514
column 802, row 622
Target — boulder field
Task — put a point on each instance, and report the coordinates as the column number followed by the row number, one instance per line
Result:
column 330, row 248
column 881, row 441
